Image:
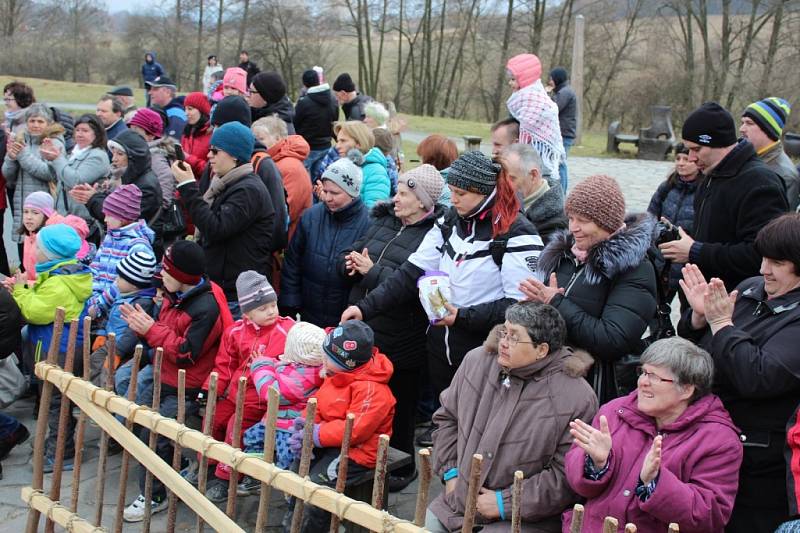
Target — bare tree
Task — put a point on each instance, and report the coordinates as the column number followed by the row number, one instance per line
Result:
column 772, row 49
column 12, row 14
column 198, row 50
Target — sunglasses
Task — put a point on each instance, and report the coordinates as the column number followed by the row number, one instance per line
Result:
column 214, row 150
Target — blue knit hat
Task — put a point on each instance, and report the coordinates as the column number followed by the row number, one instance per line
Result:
column 770, row 114
column 59, row 241
column 234, row 138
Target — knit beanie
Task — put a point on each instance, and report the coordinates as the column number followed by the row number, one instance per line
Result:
column 346, row 173
column 770, row 114
column 474, row 172
column 303, row 345
column 231, row 109
column 79, row 225
column 41, row 201
column 344, row 83
column 559, row 75
column 124, row 203
column 270, row 86
column 349, row 345
column 234, row 138
column 197, row 101
column 138, row 268
column 185, row 261
column 599, row 199
column 526, row 69
column 310, row 78
column 253, row 290
column 149, row 120
column 58, row 241
column 425, row 182
column 236, row 78
column 710, row 125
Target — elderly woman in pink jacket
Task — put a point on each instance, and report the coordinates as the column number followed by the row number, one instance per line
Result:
column 667, row 452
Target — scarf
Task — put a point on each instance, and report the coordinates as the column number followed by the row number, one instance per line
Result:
column 220, row 183
column 77, row 151
column 538, row 123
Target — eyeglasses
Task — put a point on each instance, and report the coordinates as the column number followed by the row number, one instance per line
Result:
column 510, row 338
column 214, row 150
column 652, row 376
column 9, row 99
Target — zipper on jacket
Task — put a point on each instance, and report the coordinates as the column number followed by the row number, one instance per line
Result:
column 575, row 275
column 388, row 243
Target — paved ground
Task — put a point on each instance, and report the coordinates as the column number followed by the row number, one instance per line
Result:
column 638, row 179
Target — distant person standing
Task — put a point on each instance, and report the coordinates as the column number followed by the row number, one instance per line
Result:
column 267, row 97
column 110, row 112
column 212, row 66
column 151, row 69
column 567, row 103
column 314, row 116
column 124, row 94
column 248, row 66
column 353, row 102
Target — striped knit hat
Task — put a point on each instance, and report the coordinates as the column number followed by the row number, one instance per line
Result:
column 304, row 345
column 253, row 290
column 124, row 203
column 138, row 268
column 770, row 114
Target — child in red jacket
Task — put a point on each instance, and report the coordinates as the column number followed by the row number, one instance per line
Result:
column 356, row 381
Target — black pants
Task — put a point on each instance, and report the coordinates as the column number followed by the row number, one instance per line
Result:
column 54, row 410
column 405, row 386
column 4, row 266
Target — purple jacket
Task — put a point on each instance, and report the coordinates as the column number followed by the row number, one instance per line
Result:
column 696, row 487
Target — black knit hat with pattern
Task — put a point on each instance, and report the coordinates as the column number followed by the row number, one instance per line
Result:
column 474, row 172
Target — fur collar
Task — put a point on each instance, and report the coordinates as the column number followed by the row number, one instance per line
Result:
column 574, row 363
column 619, row 254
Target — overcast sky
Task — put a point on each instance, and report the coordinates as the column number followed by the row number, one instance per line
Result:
column 130, row 5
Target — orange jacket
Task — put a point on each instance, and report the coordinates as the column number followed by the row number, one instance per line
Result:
column 289, row 154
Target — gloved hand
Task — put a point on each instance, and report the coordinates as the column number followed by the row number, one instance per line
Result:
column 296, row 437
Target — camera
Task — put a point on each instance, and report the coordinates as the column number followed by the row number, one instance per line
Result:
column 666, row 232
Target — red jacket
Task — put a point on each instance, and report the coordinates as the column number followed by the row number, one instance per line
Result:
column 189, row 329
column 365, row 393
column 241, row 343
column 289, row 155
column 195, row 148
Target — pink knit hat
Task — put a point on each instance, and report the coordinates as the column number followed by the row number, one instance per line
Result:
column 41, row 201
column 79, row 225
column 124, row 203
column 235, row 78
column 149, row 120
column 526, row 69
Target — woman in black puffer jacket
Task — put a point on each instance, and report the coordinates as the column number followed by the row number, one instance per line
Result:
column 397, row 230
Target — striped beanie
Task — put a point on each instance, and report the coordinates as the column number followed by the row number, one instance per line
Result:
column 138, row 268
column 124, row 203
column 304, row 345
column 770, row 114
column 253, row 290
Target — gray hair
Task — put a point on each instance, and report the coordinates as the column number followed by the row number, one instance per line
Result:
column 273, row 125
column 39, row 110
column 528, row 156
column 542, row 322
column 377, row 112
column 690, row 364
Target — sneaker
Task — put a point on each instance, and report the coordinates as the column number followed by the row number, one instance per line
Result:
column 425, row 438
column 135, row 511
column 19, row 436
column 398, row 483
column 49, row 465
column 190, row 472
column 248, row 487
column 217, row 491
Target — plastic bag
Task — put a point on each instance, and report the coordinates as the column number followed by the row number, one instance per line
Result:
column 434, row 293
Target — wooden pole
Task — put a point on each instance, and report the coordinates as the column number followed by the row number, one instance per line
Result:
column 102, row 459
column 37, row 482
column 273, row 399
column 80, row 429
column 305, row 460
column 156, row 405
column 172, row 503
column 126, row 458
column 516, row 502
column 379, row 479
column 233, row 480
column 610, row 525
column 673, row 528
column 344, row 458
column 630, row 528
column 577, row 519
column 577, row 75
column 425, row 474
column 60, row 514
column 208, row 420
column 472, row 493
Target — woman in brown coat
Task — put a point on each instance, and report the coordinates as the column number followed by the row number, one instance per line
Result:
column 511, row 400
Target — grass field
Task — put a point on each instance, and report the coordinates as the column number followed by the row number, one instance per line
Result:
column 592, row 144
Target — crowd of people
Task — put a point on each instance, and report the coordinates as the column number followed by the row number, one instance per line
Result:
column 269, row 240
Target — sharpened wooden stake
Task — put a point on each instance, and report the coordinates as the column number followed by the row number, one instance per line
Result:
column 673, row 528
column 37, row 482
column 102, row 459
column 126, row 457
column 577, row 519
column 472, row 493
column 344, row 458
column 172, row 502
column 156, row 405
column 233, row 480
column 80, row 429
column 271, row 421
column 305, row 460
column 379, row 479
column 610, row 525
column 516, row 502
column 630, row 528
column 208, row 419
column 425, row 474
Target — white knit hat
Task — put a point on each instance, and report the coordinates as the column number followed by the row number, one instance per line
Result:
column 346, row 173
column 304, row 345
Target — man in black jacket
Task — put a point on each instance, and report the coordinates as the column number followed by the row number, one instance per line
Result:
column 352, row 102
column 248, row 66
column 314, row 116
column 567, row 102
column 738, row 196
column 268, row 97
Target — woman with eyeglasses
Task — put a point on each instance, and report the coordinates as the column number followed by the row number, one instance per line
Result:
column 512, row 401
column 752, row 334
column 666, row 452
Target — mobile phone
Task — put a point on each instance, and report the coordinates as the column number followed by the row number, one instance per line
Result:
column 179, row 155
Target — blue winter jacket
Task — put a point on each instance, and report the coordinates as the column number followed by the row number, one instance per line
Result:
column 310, row 280
column 151, row 71
column 375, row 184
column 110, row 304
column 117, row 244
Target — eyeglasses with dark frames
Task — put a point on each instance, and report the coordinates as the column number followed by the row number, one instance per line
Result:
column 652, row 376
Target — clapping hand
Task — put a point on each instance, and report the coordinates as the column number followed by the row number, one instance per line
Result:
column 83, row 192
column 358, row 263
column 536, row 291
column 136, row 317
column 595, row 442
column 13, row 148
column 48, row 150
column 296, row 436
column 694, row 288
column 718, row 305
column 318, row 189
column 12, row 281
column 652, row 462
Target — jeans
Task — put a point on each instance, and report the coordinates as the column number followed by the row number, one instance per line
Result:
column 8, row 425
column 313, row 160
column 562, row 167
column 144, row 382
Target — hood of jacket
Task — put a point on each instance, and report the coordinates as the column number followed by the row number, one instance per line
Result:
column 705, row 410
column 283, row 108
column 375, row 156
column 138, row 153
column 378, row 369
column 620, row 253
column 293, row 146
column 136, row 230
column 320, row 94
column 151, row 54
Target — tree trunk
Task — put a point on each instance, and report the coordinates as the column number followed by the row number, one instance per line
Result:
column 243, row 25
column 198, row 52
column 399, row 86
column 220, row 11
column 458, row 61
column 772, row 49
column 752, row 31
column 176, row 48
column 501, row 71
